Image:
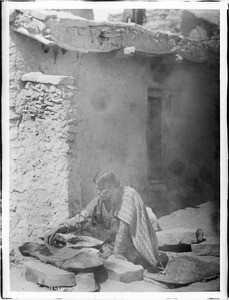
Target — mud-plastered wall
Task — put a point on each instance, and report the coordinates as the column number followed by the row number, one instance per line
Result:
column 71, row 115
column 44, row 179
column 113, row 98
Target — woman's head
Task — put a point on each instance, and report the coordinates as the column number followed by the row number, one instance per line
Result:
column 106, row 182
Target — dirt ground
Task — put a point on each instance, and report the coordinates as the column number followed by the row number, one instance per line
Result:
column 197, row 217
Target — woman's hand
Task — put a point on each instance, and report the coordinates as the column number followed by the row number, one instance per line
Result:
column 51, row 235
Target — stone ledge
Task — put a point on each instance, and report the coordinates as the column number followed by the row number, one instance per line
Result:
column 47, row 275
column 122, row 270
column 210, row 247
column 176, row 236
column 47, row 79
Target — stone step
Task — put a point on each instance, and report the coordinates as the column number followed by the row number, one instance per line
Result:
column 210, row 247
column 178, row 236
column 47, row 275
column 122, row 270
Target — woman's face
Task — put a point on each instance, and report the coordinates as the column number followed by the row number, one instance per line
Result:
column 103, row 192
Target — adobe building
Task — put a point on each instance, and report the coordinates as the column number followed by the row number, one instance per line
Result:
column 85, row 96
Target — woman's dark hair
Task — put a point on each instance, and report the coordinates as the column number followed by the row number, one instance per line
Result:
column 107, row 177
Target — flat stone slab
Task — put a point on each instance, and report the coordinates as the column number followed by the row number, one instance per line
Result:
column 122, row 270
column 177, row 236
column 83, row 242
column 47, row 275
column 47, row 79
column 72, row 260
column 210, row 247
column 207, row 259
column 85, row 282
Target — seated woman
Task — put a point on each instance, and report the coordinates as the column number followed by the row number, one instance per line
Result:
column 121, row 209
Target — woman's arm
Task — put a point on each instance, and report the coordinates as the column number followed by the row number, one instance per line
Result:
column 74, row 223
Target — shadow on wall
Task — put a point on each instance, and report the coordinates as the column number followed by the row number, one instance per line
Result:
column 188, row 134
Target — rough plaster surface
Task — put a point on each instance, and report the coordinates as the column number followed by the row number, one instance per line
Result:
column 77, row 34
column 113, row 123
column 43, row 147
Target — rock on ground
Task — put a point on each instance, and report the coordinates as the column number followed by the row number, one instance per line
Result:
column 176, row 236
column 210, row 247
column 47, row 275
column 122, row 270
column 85, row 282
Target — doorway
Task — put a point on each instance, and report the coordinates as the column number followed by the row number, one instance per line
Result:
column 153, row 136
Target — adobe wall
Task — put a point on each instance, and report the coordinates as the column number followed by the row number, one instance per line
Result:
column 43, row 147
column 61, row 134
column 113, row 98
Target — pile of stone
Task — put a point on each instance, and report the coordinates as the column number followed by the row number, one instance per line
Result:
column 187, row 249
column 43, row 96
column 55, row 278
column 196, row 256
column 87, row 281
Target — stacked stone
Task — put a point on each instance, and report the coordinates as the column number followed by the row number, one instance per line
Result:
column 39, row 100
